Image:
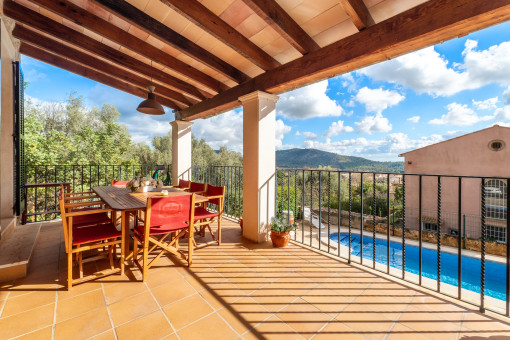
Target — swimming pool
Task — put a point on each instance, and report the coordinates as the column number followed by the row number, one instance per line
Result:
column 495, row 279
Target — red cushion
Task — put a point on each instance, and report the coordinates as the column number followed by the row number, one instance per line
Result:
column 90, row 219
column 161, row 229
column 119, row 183
column 95, row 233
column 201, row 213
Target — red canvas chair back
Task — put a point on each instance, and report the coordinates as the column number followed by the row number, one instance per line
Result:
column 216, row 191
column 174, row 212
column 197, row 187
column 114, row 182
column 184, row 184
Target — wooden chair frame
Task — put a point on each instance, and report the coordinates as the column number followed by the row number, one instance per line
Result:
column 197, row 192
column 78, row 249
column 150, row 242
column 206, row 223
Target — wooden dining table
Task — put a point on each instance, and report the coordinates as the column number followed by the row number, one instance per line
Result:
column 119, row 198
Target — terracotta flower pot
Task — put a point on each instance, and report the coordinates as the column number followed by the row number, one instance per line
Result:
column 280, row 240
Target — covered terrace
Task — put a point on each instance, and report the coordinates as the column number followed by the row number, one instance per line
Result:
column 206, row 57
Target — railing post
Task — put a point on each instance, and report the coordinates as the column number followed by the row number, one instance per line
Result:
column 403, row 226
column 482, row 255
column 350, row 214
column 438, row 233
column 459, row 241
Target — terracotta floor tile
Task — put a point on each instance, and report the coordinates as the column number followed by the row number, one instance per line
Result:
column 80, row 304
column 244, row 314
column 28, row 301
column 239, row 290
column 303, row 317
column 83, row 326
column 273, row 329
column 173, row 291
column 161, row 276
column 150, row 326
column 42, row 334
column 400, row 332
column 108, row 335
column 25, row 322
column 119, row 291
column 187, row 310
column 337, row 330
column 132, row 307
column 211, row 327
column 86, row 287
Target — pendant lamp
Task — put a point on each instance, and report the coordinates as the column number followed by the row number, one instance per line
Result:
column 151, row 106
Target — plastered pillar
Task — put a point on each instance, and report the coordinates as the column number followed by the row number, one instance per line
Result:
column 181, row 150
column 259, row 164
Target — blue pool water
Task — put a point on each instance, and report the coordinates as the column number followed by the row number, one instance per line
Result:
column 495, row 282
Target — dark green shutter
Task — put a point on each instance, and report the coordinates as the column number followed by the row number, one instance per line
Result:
column 19, row 143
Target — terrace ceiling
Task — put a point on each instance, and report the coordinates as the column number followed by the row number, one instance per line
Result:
column 204, row 54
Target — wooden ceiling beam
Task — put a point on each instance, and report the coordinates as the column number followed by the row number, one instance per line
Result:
column 165, row 33
column 424, row 25
column 71, row 66
column 358, row 12
column 282, row 22
column 201, row 16
column 46, row 25
column 82, row 17
column 55, row 47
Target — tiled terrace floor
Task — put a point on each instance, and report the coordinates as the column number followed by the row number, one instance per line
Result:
column 238, row 290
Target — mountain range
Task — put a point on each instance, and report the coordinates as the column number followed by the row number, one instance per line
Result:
column 313, row 158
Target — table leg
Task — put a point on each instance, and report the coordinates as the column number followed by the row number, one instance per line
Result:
column 125, row 239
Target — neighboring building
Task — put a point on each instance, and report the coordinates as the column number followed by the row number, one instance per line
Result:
column 483, row 153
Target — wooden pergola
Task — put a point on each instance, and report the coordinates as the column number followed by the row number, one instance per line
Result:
column 203, row 55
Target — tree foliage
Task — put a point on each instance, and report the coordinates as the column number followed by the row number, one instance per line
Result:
column 71, row 133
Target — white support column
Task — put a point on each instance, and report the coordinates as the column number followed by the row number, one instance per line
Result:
column 259, row 164
column 181, row 150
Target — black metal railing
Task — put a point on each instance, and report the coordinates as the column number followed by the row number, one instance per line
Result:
column 42, row 203
column 446, row 233
column 437, row 231
column 229, row 176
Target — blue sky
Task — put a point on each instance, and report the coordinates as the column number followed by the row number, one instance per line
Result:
column 377, row 112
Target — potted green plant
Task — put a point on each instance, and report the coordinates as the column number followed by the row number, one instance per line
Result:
column 280, row 231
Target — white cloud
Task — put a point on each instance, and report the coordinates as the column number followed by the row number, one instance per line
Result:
column 224, row 129
column 414, row 119
column 307, row 134
column 487, row 104
column 336, row 128
column 506, row 96
column 370, row 124
column 280, row 131
column 426, row 71
column 378, row 100
column 33, row 75
column 502, row 113
column 459, row 114
column 387, row 148
column 307, row 102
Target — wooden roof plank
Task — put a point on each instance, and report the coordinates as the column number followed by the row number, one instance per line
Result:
column 88, row 60
column 424, row 25
column 71, row 66
column 282, row 22
column 46, row 25
column 104, row 28
column 358, row 12
column 165, row 33
column 201, row 16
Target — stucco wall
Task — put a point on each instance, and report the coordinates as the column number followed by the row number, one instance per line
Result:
column 468, row 155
